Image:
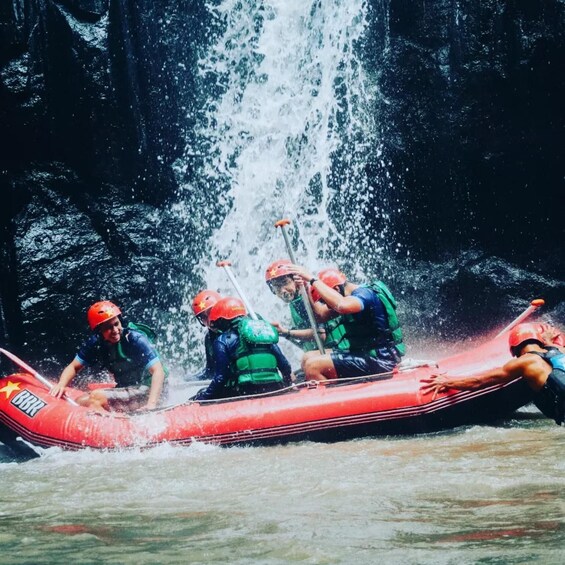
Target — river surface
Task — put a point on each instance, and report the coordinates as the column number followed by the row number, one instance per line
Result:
column 481, row 494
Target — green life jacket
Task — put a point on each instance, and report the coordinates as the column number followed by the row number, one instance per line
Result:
column 254, row 362
column 151, row 335
column 300, row 322
column 345, row 333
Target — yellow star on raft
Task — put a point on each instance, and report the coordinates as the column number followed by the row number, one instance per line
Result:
column 10, row 388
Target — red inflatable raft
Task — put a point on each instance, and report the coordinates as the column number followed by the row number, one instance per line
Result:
column 388, row 404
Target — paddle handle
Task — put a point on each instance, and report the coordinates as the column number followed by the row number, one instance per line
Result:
column 303, row 292
column 534, row 305
column 23, row 365
column 226, row 265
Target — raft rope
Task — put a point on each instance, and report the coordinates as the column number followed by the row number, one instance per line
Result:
column 316, row 384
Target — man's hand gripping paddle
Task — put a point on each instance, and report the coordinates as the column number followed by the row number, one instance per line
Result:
column 303, row 292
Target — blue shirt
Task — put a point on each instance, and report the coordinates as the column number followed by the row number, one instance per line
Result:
column 128, row 360
column 224, row 351
column 373, row 314
column 374, row 319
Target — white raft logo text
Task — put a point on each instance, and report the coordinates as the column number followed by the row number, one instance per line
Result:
column 28, row 403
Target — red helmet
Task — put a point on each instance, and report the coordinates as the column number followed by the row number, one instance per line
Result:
column 100, row 312
column 227, row 308
column 204, row 300
column 332, row 277
column 522, row 333
column 277, row 269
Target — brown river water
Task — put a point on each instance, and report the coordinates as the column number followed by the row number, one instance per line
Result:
column 481, row 494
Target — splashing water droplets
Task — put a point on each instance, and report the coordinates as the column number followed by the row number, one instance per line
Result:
column 285, row 132
column 290, row 79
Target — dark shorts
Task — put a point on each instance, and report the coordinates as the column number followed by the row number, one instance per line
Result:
column 265, row 388
column 357, row 365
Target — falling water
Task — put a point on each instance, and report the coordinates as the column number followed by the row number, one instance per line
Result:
column 288, row 134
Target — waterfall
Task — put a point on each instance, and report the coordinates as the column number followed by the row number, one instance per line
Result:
column 285, row 133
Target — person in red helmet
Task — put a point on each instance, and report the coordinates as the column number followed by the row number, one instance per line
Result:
column 246, row 358
column 541, row 365
column 127, row 353
column 363, row 336
column 283, row 285
column 201, row 306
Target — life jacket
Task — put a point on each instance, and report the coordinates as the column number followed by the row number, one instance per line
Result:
column 346, row 333
column 551, row 398
column 300, row 322
column 125, row 371
column 254, row 362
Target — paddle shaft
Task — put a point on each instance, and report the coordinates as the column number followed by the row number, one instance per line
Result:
column 33, row 372
column 534, row 305
column 227, row 268
column 303, row 291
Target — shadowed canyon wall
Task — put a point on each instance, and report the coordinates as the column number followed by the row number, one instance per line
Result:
column 99, row 98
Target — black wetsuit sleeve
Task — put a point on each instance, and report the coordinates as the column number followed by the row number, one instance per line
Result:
column 221, row 372
column 282, row 364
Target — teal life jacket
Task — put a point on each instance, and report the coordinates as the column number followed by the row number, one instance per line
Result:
column 122, row 364
column 346, row 333
column 300, row 322
column 254, row 362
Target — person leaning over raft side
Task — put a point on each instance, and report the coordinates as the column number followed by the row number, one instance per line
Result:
column 201, row 306
column 127, row 354
column 363, row 334
column 246, row 361
column 542, row 366
column 283, row 285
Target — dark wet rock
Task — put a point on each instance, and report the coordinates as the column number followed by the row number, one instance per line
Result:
column 70, row 250
column 472, row 294
column 485, row 290
column 98, row 99
column 471, row 118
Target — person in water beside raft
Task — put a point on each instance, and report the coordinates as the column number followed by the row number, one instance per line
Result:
column 363, row 333
column 282, row 284
column 201, row 306
column 246, row 358
column 541, row 365
column 127, row 353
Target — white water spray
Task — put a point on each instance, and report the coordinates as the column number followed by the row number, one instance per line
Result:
column 287, row 131
column 295, row 96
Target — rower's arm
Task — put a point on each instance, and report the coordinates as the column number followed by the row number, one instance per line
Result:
column 494, row 377
column 157, row 380
column 436, row 384
column 67, row 375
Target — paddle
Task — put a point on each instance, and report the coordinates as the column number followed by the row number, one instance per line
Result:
column 226, row 265
column 303, row 292
column 534, row 305
column 33, row 372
